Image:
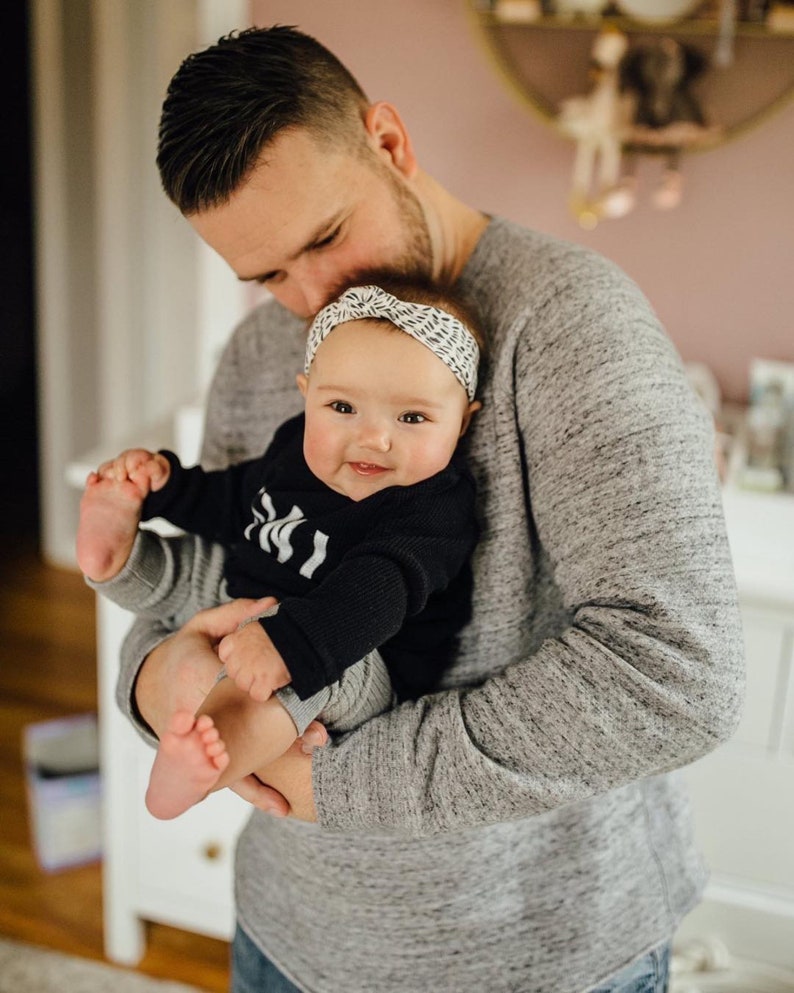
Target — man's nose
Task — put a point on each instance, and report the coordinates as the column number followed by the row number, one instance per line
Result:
column 315, row 284
column 315, row 298
column 300, row 300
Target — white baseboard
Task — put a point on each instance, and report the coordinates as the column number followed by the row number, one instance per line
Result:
column 756, row 925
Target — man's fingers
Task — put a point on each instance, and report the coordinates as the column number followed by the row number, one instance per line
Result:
column 217, row 622
column 315, row 736
column 259, row 607
column 255, row 792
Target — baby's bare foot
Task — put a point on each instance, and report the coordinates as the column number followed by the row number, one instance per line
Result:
column 109, row 514
column 189, row 762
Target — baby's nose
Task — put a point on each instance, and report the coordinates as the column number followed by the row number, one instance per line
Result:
column 375, row 437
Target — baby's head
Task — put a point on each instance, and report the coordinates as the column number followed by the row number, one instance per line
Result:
column 389, row 384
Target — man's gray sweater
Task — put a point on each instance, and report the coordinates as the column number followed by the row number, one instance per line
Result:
column 524, row 830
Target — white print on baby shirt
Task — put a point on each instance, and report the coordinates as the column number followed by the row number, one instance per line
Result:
column 274, row 534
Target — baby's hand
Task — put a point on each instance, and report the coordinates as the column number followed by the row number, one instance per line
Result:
column 253, row 663
column 148, row 471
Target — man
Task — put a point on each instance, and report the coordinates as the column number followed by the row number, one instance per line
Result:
column 521, row 830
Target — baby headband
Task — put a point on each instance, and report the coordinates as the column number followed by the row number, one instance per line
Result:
column 435, row 328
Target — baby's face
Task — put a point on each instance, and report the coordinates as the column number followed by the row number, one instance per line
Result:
column 381, row 410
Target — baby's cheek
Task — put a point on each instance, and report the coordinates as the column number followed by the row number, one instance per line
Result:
column 316, row 454
column 429, row 459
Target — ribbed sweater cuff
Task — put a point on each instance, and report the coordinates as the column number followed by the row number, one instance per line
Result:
column 140, row 576
column 302, row 712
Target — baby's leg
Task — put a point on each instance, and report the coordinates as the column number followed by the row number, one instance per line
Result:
column 190, row 758
column 109, row 514
column 111, row 509
column 363, row 692
column 234, row 736
column 255, row 733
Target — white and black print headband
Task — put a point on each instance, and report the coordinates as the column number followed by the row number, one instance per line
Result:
column 435, row 328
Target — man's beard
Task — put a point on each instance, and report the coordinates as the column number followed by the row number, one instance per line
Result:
column 416, row 259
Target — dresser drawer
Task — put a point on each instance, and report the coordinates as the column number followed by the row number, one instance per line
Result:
column 742, row 793
column 185, row 865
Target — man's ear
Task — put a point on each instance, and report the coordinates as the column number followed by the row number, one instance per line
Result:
column 303, row 383
column 473, row 407
column 389, row 137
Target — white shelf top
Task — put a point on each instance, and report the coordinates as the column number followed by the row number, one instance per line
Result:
column 180, row 433
column 154, row 437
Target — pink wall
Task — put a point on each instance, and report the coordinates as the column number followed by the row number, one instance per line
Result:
column 719, row 269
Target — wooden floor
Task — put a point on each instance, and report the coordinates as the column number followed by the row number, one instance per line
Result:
column 48, row 669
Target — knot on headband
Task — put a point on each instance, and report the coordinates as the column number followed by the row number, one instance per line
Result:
column 437, row 329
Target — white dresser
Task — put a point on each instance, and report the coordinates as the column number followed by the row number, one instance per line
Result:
column 175, row 872
column 743, row 793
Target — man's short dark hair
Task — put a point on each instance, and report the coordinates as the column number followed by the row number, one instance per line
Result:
column 227, row 103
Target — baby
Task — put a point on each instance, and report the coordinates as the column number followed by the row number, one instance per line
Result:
column 359, row 519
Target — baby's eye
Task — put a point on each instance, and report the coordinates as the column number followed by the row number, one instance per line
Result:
column 341, row 407
column 412, row 417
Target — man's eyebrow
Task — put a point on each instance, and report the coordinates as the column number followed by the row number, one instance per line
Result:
column 320, row 232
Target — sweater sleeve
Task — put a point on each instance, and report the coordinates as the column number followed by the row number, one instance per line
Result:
column 167, row 579
column 645, row 674
column 189, row 567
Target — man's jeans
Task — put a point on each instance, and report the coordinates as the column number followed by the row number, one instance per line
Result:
column 252, row 972
column 649, row 974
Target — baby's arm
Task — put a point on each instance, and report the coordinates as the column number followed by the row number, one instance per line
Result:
column 252, row 661
column 110, row 510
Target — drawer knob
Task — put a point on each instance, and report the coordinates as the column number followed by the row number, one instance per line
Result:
column 212, row 851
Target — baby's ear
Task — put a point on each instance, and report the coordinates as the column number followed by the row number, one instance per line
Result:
column 303, row 383
column 474, row 406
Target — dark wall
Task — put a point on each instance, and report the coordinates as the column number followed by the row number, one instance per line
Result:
column 18, row 434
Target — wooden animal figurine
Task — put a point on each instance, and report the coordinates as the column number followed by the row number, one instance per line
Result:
column 598, row 122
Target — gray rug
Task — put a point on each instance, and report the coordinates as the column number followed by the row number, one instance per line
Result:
column 29, row 969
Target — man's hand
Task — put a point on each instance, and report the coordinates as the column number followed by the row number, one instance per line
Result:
column 263, row 797
column 252, row 661
column 180, row 671
column 290, row 778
